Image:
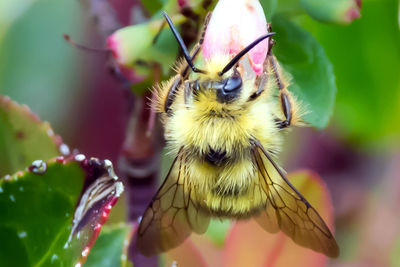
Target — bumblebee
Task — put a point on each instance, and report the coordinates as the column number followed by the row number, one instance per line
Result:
column 225, row 128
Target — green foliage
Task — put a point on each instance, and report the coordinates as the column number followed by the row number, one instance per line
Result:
column 37, row 66
column 338, row 11
column 23, row 138
column 366, row 59
column 304, row 59
column 152, row 6
column 36, row 216
column 217, row 231
column 144, row 43
column 395, row 254
column 269, row 7
column 109, row 248
column 10, row 11
column 37, row 205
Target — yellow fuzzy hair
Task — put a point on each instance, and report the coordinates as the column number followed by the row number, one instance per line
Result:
column 160, row 91
column 191, row 126
column 204, row 124
column 225, row 164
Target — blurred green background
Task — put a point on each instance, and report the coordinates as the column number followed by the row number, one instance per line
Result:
column 357, row 155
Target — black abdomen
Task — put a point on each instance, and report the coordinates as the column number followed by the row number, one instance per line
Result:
column 216, row 158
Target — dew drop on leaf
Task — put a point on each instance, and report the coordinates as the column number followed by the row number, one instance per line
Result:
column 38, row 167
column 54, row 258
column 22, row 234
column 80, row 157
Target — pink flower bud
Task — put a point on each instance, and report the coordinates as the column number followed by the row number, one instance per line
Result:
column 130, row 43
column 341, row 12
column 234, row 25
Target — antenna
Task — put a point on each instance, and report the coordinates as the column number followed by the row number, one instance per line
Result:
column 244, row 52
column 181, row 44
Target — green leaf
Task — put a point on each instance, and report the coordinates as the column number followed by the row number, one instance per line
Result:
column 141, row 45
column 152, row 6
column 289, row 7
column 37, row 209
column 338, row 11
column 23, row 138
column 395, row 254
column 10, row 11
column 110, row 248
column 217, row 231
column 37, row 66
column 269, row 7
column 304, row 59
column 367, row 70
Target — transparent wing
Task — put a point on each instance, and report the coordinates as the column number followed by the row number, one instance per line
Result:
column 289, row 211
column 172, row 214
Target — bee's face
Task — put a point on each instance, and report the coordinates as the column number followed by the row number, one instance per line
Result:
column 226, row 90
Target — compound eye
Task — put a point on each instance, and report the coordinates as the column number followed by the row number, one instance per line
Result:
column 233, row 83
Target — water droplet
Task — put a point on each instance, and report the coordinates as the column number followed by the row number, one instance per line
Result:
column 174, row 264
column 21, row 189
column 38, row 167
column 50, row 132
column 22, row 234
column 110, row 169
column 85, row 252
column 80, row 157
column 60, row 159
column 54, row 258
column 107, row 163
column 66, row 245
column 119, row 188
column 123, row 257
column 66, row 214
column 64, row 150
column 78, row 235
column 1, row 190
column 12, row 198
column 78, row 264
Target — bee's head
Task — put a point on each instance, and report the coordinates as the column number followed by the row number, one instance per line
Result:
column 226, row 80
column 227, row 84
column 227, row 87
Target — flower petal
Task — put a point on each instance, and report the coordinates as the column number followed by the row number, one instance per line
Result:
column 233, row 26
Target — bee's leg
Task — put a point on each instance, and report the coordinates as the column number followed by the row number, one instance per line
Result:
column 285, row 97
column 178, row 80
column 196, row 49
column 182, row 75
column 188, row 92
column 272, row 67
column 261, row 80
